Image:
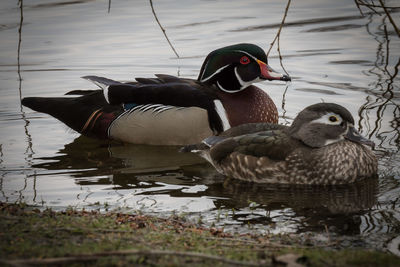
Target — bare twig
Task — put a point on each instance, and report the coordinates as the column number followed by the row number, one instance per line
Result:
column 280, row 27
column 96, row 256
column 162, row 29
column 280, row 56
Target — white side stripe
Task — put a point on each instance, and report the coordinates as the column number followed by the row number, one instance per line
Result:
column 222, row 114
column 105, row 92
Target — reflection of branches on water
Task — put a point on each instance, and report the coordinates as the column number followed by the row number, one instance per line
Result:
column 277, row 37
column 162, row 29
column 34, row 187
column 21, row 6
column 390, row 18
column 283, row 106
column 29, row 151
column 360, row 3
column 384, row 91
column 377, row 9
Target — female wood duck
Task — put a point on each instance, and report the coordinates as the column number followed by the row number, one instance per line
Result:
column 320, row 147
column 168, row 110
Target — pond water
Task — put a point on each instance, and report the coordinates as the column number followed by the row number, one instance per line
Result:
column 332, row 51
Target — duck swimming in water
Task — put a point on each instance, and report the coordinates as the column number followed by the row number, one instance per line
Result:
column 168, row 110
column 320, row 147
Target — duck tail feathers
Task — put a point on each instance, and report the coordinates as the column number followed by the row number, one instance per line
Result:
column 73, row 111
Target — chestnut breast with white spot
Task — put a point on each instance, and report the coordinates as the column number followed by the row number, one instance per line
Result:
column 248, row 106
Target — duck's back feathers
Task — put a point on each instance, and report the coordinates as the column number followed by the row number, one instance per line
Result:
column 243, row 129
column 274, row 144
column 248, row 128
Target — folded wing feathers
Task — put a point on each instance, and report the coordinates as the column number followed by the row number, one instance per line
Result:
column 156, row 108
column 212, row 140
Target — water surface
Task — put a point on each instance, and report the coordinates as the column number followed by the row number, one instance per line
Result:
column 333, row 53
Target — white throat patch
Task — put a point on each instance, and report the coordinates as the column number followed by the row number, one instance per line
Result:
column 244, row 84
column 331, row 141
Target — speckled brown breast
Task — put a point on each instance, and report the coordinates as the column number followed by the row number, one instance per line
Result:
column 248, row 106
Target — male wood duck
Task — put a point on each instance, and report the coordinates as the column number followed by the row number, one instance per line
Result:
column 320, row 147
column 168, row 110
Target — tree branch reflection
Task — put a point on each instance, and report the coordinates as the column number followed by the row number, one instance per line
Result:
column 382, row 109
column 374, row 8
column 29, row 150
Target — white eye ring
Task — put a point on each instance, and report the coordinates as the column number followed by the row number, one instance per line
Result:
column 329, row 118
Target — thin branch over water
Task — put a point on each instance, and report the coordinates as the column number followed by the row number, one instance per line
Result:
column 277, row 37
column 162, row 29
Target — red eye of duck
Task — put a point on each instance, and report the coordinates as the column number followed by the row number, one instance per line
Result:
column 244, row 60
